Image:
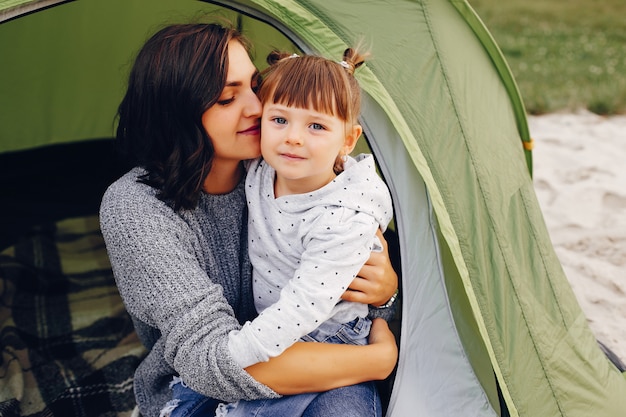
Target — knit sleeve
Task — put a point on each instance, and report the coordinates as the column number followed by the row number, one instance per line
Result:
column 160, row 276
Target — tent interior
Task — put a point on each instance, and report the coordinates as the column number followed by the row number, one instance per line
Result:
column 69, row 65
column 68, row 346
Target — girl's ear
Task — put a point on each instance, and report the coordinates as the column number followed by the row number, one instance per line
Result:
column 352, row 136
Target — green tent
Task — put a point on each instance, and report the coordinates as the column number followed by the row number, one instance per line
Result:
column 489, row 325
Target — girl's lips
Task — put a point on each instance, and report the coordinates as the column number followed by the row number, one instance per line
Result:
column 291, row 156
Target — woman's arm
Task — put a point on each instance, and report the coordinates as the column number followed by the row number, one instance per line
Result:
column 314, row 367
column 377, row 281
column 166, row 278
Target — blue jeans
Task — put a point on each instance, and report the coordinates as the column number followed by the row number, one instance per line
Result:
column 186, row 402
column 352, row 333
column 361, row 400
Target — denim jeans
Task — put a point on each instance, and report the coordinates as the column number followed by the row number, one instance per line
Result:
column 361, row 400
column 186, row 402
column 353, row 333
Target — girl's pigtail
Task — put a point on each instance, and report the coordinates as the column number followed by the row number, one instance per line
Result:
column 352, row 60
column 276, row 56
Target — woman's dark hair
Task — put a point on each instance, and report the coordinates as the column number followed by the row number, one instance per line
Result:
column 178, row 74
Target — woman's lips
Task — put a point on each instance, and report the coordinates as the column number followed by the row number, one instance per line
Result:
column 252, row 130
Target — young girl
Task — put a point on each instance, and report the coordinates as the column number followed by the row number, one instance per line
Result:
column 313, row 216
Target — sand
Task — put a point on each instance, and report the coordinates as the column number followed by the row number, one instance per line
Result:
column 580, row 179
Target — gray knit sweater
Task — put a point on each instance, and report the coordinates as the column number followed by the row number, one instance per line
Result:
column 185, row 279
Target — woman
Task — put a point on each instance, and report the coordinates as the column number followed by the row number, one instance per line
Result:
column 175, row 230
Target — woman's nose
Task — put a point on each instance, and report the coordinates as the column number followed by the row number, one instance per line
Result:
column 253, row 106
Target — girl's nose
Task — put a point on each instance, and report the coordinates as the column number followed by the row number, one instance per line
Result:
column 293, row 138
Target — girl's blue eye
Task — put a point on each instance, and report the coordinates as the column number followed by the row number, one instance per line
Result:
column 280, row 120
column 317, row 126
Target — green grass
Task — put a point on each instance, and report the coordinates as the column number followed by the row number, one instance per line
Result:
column 564, row 54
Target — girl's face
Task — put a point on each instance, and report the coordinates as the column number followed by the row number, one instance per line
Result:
column 233, row 122
column 302, row 146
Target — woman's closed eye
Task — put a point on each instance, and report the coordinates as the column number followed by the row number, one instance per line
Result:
column 226, row 101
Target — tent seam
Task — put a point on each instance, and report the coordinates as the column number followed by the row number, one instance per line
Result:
column 25, row 7
column 534, row 234
column 453, row 100
column 499, row 368
column 506, row 389
column 543, row 257
column 503, row 70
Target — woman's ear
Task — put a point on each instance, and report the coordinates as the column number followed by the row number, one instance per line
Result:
column 352, row 136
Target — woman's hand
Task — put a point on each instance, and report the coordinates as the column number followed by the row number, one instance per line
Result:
column 377, row 281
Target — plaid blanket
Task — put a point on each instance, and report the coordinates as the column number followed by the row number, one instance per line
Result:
column 68, row 346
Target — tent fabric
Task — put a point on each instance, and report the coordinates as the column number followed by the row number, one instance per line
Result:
column 503, row 70
column 487, row 312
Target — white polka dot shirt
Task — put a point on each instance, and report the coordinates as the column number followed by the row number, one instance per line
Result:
column 305, row 250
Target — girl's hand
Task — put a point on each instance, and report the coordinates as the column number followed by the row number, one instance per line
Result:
column 377, row 281
column 383, row 338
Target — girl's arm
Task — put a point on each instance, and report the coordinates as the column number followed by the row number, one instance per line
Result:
column 314, row 367
column 332, row 256
column 377, row 281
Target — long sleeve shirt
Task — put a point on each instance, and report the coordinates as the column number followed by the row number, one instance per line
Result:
column 305, row 250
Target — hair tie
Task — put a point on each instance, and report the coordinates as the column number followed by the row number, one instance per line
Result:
column 344, row 64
